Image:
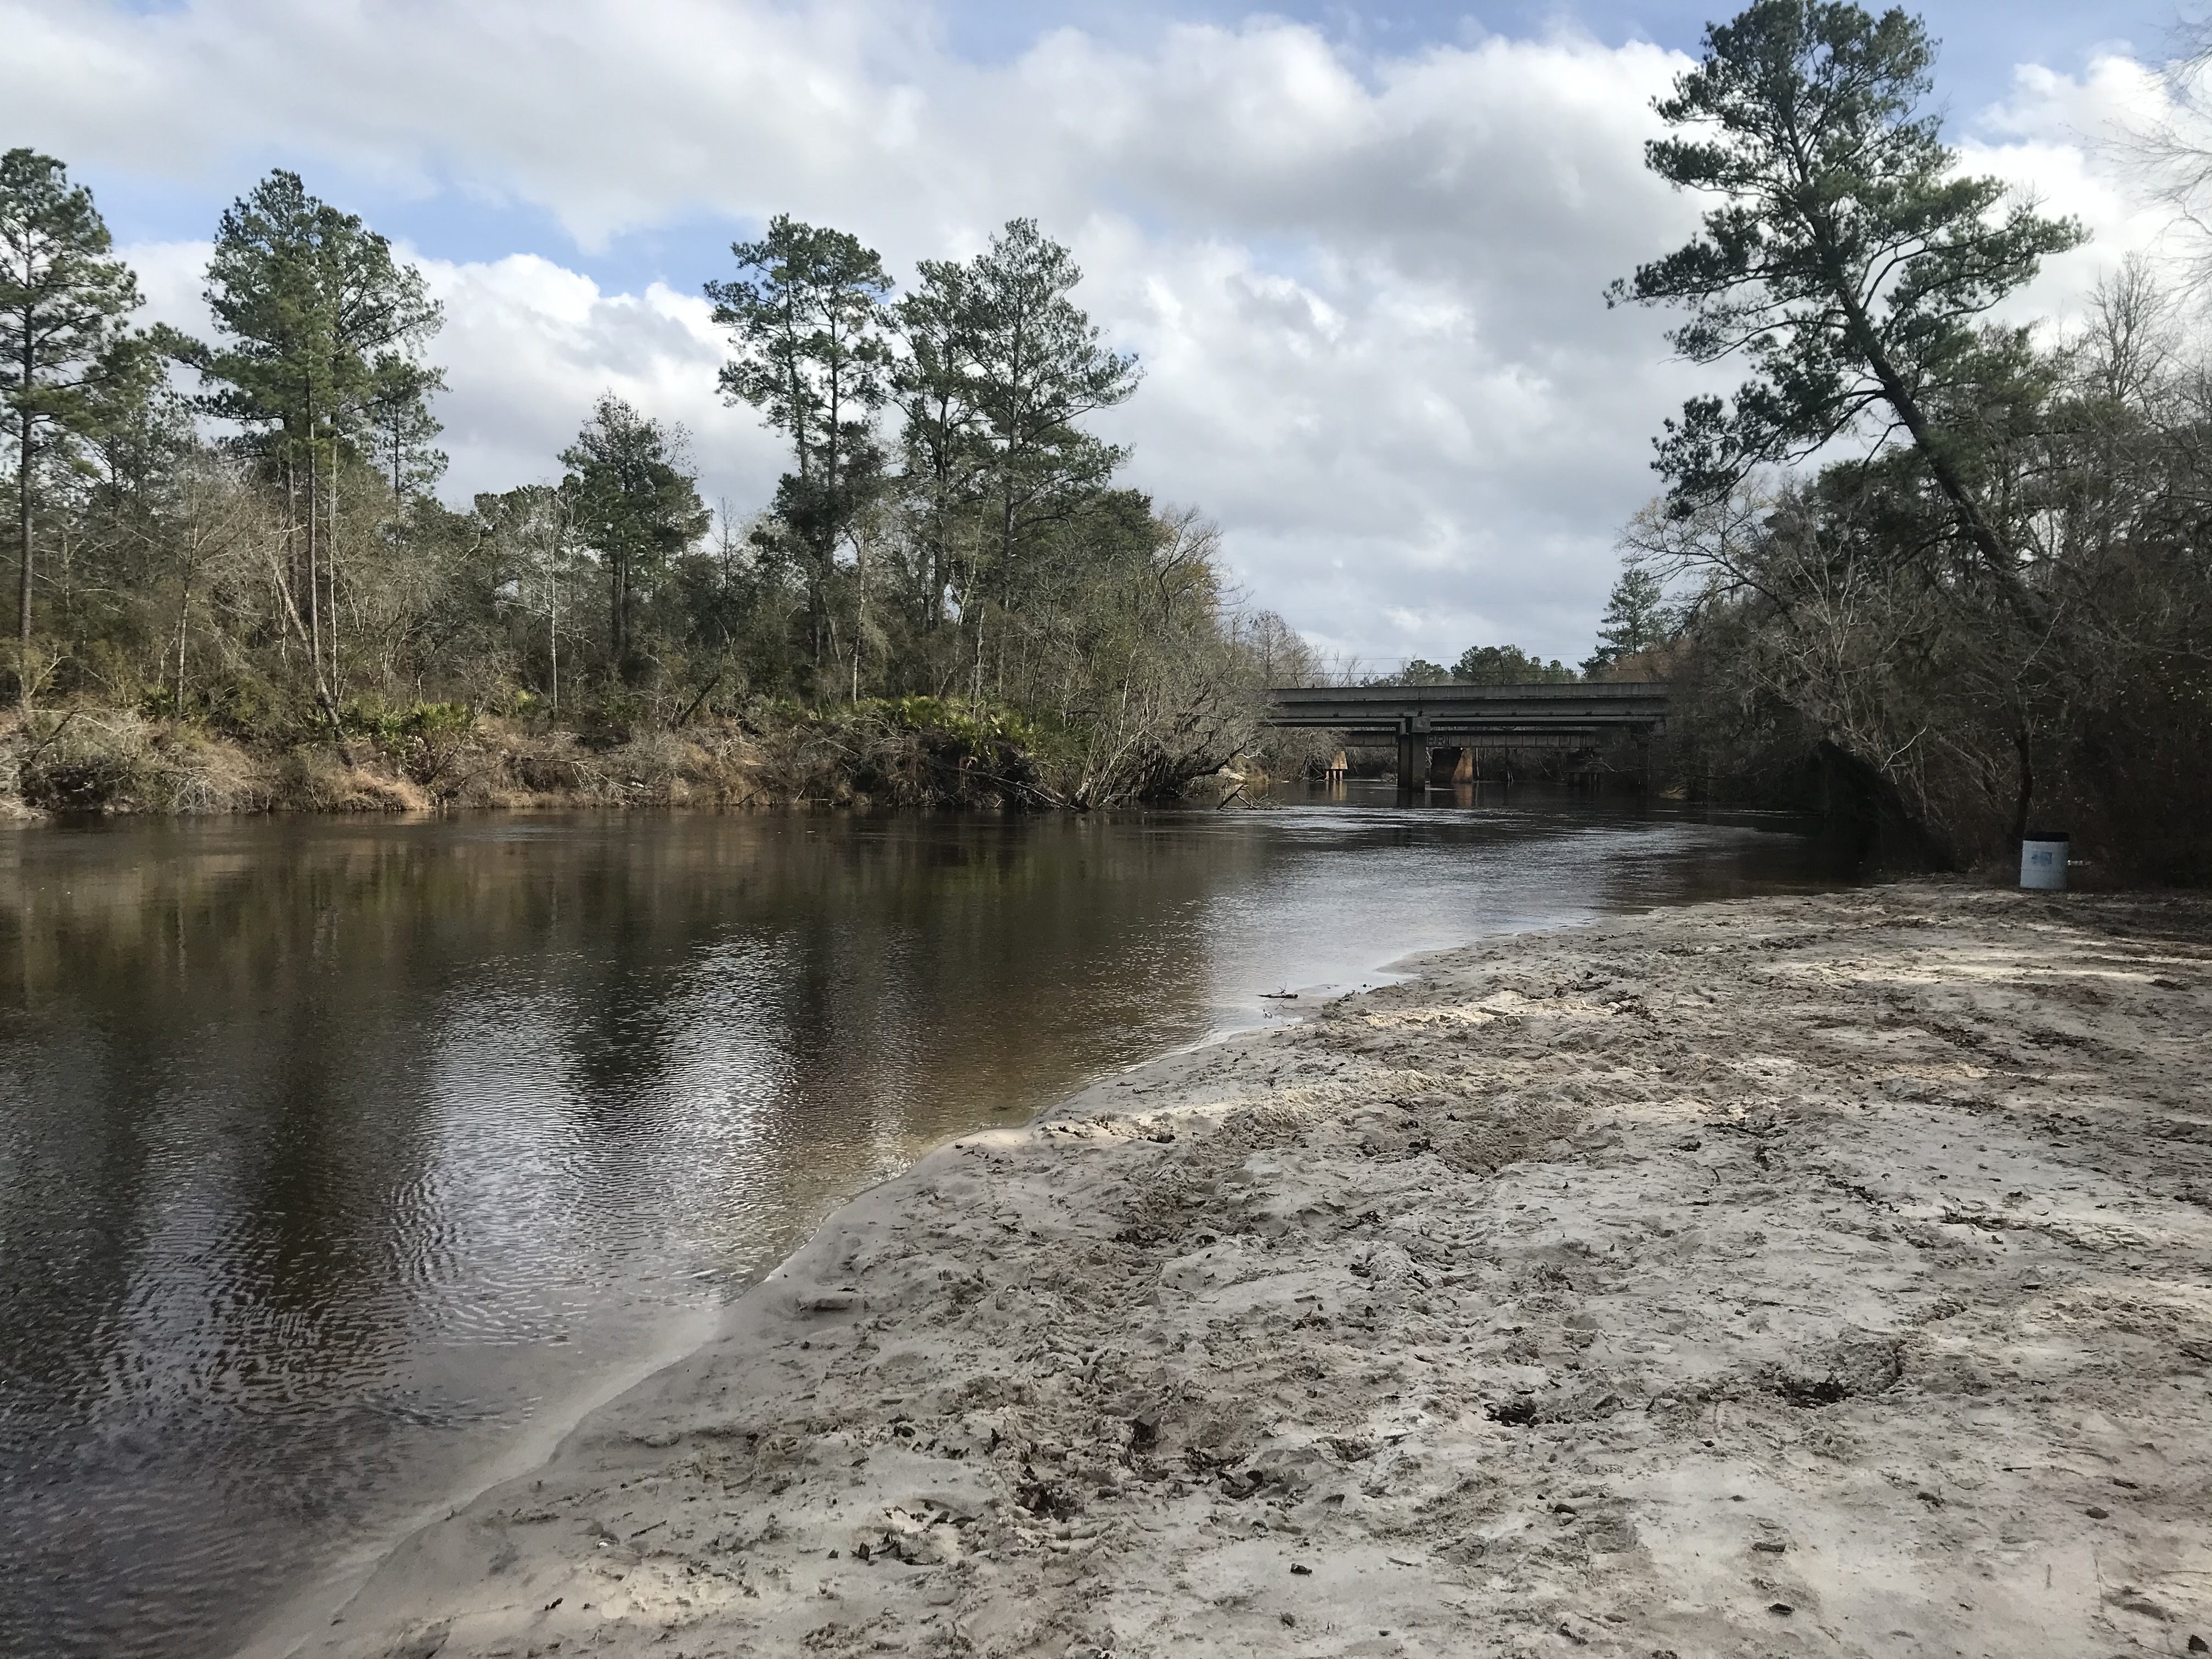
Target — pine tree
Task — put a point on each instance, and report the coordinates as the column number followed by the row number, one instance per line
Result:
column 1637, row 618
column 402, row 425
column 633, row 504
column 806, row 316
column 68, row 350
column 1846, row 260
column 319, row 323
column 1037, row 367
column 944, row 453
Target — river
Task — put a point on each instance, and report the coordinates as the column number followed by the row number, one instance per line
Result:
column 342, row 1162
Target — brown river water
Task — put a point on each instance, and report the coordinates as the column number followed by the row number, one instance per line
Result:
column 342, row 1162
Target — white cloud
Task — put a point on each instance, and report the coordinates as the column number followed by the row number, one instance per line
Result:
column 2067, row 141
column 1365, row 288
column 529, row 346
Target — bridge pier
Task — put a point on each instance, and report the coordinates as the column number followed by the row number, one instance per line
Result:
column 1451, row 766
column 1413, row 753
column 1412, row 762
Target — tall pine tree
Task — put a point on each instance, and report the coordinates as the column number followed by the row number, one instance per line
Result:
column 1037, row 367
column 67, row 349
column 806, row 315
column 321, row 325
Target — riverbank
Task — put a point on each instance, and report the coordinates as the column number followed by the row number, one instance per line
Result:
column 1801, row 1275
column 908, row 752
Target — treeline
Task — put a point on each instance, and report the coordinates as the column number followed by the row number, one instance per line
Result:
column 951, row 595
column 1634, row 641
column 1986, row 607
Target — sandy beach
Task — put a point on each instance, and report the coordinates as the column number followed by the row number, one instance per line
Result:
column 1810, row 1275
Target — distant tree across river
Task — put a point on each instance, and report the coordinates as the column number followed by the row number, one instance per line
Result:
column 1483, row 665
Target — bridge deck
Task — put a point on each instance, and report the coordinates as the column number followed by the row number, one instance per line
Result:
column 1446, row 711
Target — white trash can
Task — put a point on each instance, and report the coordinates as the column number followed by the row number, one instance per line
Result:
column 2043, row 860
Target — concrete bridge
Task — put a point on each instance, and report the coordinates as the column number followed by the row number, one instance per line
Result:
column 1420, row 717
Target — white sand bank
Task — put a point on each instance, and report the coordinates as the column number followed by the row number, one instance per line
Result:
column 1802, row 1276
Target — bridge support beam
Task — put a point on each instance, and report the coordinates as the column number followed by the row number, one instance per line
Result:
column 1412, row 762
column 1413, row 753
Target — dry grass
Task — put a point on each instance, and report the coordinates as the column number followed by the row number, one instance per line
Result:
column 85, row 761
column 99, row 761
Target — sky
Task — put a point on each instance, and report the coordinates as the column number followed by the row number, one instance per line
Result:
column 1360, row 251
